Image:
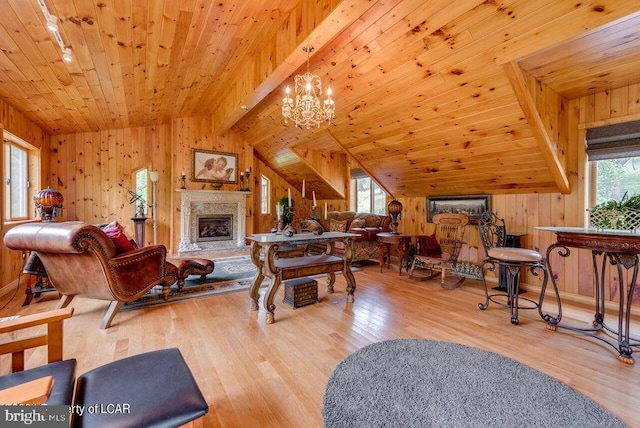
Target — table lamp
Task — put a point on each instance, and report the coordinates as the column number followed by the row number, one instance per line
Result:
column 395, row 211
column 48, row 204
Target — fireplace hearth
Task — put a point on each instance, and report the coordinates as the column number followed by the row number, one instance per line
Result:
column 211, row 220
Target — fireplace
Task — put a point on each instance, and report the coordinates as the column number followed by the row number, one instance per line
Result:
column 211, row 220
column 214, row 227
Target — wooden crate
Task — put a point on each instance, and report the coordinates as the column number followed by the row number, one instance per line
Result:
column 300, row 292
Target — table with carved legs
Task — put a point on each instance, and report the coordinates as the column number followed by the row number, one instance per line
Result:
column 265, row 255
column 615, row 248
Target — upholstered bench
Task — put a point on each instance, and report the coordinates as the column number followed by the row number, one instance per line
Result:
column 186, row 267
column 153, row 389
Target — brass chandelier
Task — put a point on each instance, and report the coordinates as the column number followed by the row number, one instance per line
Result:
column 307, row 109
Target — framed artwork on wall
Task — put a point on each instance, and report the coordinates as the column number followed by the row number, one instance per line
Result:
column 473, row 206
column 214, row 167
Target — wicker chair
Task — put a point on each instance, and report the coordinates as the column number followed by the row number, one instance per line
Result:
column 444, row 255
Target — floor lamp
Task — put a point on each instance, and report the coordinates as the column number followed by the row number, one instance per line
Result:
column 153, row 175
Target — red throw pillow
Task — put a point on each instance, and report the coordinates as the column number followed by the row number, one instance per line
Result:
column 429, row 246
column 114, row 231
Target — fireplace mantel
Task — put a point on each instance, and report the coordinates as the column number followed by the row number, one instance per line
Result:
column 198, row 202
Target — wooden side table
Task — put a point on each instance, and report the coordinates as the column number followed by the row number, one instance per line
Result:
column 402, row 241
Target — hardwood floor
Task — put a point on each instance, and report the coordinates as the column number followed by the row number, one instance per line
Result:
column 254, row 374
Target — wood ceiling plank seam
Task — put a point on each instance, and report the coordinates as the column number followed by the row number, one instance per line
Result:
column 593, row 43
column 493, row 140
column 472, row 124
column 426, row 108
column 462, row 177
column 219, row 61
column 124, row 28
column 392, row 127
column 599, row 67
column 487, row 161
column 547, row 147
column 154, row 31
column 484, row 12
column 197, row 46
column 82, row 71
column 99, row 87
column 473, row 132
column 139, row 14
column 566, row 25
column 168, row 30
column 227, row 112
column 123, row 35
column 176, row 68
column 404, row 38
column 338, row 22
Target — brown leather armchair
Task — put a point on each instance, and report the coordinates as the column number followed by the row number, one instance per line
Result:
column 81, row 260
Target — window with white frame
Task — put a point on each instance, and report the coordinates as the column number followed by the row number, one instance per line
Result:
column 142, row 190
column 366, row 195
column 613, row 152
column 265, row 195
column 21, row 170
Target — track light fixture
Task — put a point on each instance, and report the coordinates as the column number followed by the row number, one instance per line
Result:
column 52, row 25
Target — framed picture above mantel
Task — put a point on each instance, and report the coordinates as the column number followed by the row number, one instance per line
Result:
column 214, row 167
column 473, row 206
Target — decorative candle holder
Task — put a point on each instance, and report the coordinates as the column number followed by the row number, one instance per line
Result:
column 247, row 183
column 314, row 213
column 183, row 181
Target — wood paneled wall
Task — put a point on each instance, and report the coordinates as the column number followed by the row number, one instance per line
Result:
column 523, row 212
column 93, row 170
column 14, row 122
column 88, row 167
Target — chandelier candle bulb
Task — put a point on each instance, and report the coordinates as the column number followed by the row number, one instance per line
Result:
column 314, row 197
column 289, row 196
column 303, row 187
column 325, row 210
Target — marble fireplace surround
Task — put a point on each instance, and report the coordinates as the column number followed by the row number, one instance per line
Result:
column 210, row 202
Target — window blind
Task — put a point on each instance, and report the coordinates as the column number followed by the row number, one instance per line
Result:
column 621, row 140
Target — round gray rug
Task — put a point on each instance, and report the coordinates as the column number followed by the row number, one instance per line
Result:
column 424, row 383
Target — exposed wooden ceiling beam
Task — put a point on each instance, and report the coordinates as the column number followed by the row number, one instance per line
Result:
column 514, row 73
column 282, row 56
column 364, row 168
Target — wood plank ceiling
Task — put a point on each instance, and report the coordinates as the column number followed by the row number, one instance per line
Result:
column 427, row 92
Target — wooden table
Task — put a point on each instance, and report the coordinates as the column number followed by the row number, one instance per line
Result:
column 615, row 248
column 265, row 248
column 402, row 241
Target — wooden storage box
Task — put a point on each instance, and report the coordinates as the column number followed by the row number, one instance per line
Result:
column 300, row 292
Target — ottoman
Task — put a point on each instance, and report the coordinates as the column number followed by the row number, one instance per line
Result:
column 186, row 267
column 153, row 389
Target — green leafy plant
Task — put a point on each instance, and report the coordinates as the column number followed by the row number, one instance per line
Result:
column 287, row 213
column 617, row 214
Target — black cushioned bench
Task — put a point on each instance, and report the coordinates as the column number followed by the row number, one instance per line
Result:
column 153, row 389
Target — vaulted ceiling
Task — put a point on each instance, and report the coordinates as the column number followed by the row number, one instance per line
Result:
column 430, row 96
